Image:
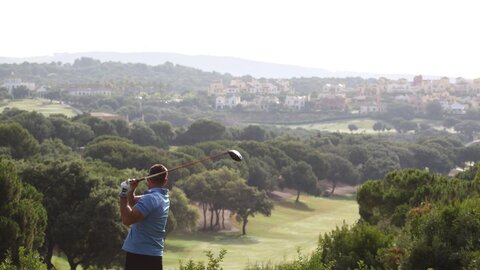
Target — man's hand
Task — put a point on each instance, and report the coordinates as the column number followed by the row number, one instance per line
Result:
column 124, row 188
column 128, row 186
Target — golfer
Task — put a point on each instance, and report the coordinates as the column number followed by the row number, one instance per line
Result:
column 148, row 215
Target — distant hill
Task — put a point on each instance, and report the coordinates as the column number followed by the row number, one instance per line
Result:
column 232, row 65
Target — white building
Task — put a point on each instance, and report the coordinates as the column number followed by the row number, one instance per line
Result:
column 90, row 92
column 295, row 102
column 457, row 108
column 12, row 83
column 369, row 109
column 224, row 102
column 333, row 88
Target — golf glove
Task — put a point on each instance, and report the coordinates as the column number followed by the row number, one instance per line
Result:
column 124, row 188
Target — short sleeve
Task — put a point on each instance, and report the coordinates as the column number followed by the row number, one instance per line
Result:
column 145, row 205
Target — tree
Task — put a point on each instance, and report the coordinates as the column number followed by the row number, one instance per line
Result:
column 53, row 94
column 122, row 153
column 341, row 170
column 376, row 168
column 443, row 236
column 20, row 92
column 23, row 219
column 300, row 177
column 163, row 130
column 434, row 110
column 450, row 122
column 4, row 93
column 319, row 164
column 259, row 174
column 431, row 158
column 121, row 127
column 378, row 126
column 141, row 134
column 202, row 130
column 21, row 143
column 65, row 185
column 253, row 133
column 352, row 127
column 37, row 124
column 73, row 134
column 98, row 126
column 27, row 260
column 347, row 246
column 185, row 215
column 247, row 201
column 469, row 128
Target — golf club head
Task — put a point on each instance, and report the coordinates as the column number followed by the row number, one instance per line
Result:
column 235, row 155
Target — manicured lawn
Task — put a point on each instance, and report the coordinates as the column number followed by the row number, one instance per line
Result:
column 365, row 125
column 40, row 105
column 272, row 239
column 275, row 238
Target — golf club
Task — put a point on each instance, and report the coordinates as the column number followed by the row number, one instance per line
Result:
column 234, row 154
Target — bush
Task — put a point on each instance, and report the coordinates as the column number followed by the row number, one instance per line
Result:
column 27, row 260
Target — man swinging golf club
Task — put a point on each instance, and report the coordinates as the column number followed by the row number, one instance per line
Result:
column 148, row 215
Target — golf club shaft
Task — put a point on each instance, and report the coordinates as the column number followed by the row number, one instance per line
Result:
column 183, row 166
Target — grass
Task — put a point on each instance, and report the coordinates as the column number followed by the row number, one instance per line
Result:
column 365, row 125
column 273, row 239
column 40, row 105
column 269, row 239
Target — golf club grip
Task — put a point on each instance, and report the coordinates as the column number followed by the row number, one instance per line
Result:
column 182, row 166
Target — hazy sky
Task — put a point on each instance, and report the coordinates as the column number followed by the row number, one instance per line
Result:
column 382, row 36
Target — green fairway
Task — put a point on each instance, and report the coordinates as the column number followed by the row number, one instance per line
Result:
column 40, row 105
column 275, row 238
column 364, row 125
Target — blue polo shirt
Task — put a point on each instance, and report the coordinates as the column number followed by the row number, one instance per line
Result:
column 147, row 236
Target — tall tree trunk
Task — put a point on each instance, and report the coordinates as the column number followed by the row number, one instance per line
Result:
column 298, row 195
column 217, row 218
column 72, row 263
column 204, row 208
column 223, row 218
column 211, row 217
column 334, row 186
column 49, row 255
column 244, row 225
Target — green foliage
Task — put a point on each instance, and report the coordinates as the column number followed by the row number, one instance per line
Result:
column 23, row 219
column 213, row 262
column 253, row 133
column 21, row 143
column 301, row 262
column 30, row 260
column 443, row 237
column 186, row 216
column 37, row 124
column 346, row 247
column 123, row 154
column 200, row 131
column 73, row 134
column 300, row 177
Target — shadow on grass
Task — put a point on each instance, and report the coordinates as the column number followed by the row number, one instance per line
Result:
column 301, row 206
column 346, row 197
column 223, row 238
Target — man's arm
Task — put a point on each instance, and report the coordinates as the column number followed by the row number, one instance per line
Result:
column 132, row 199
column 129, row 213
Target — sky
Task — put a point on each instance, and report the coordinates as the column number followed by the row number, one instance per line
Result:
column 437, row 38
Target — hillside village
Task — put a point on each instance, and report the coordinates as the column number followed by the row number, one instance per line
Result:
column 371, row 96
column 455, row 97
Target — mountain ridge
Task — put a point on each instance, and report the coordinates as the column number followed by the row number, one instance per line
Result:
column 222, row 64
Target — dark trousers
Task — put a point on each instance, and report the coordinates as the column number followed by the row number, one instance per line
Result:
column 143, row 262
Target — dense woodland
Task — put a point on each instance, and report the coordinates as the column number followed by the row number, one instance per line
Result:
column 59, row 176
